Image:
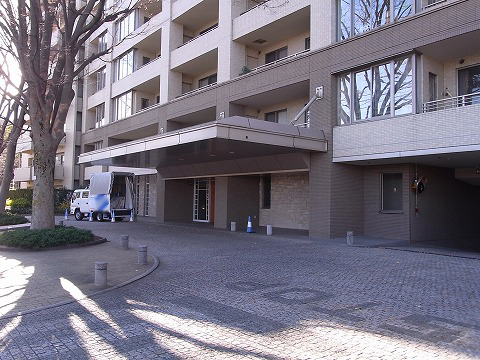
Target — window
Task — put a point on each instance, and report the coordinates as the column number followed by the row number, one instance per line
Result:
column 125, row 65
column 391, row 189
column 125, row 26
column 100, row 116
column 102, row 43
column 432, row 86
column 212, row 79
column 208, row 29
column 147, row 195
column 80, row 88
column 101, row 78
column 78, row 121
column 307, row 43
column 59, row 159
column 379, row 91
column 97, row 145
column 123, row 106
column 279, row 116
column 85, row 194
column 145, row 60
column 359, row 16
column 276, row 55
column 267, row 191
column 145, row 103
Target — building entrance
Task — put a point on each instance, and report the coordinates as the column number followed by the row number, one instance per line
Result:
column 201, row 200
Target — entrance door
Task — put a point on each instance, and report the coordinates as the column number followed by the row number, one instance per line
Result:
column 201, row 200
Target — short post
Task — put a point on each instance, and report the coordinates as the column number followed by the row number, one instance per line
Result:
column 142, row 254
column 350, row 237
column 60, row 223
column 269, row 229
column 90, row 216
column 131, row 216
column 125, row 242
column 65, row 216
column 101, row 273
column 112, row 215
column 233, row 226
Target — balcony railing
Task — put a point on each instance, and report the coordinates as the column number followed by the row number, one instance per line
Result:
column 277, row 61
column 452, row 102
column 256, row 6
column 199, row 35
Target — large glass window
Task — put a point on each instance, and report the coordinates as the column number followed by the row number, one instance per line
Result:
column 209, row 80
column 276, row 55
column 123, row 106
column 368, row 93
column 279, row 116
column 125, row 26
column 125, row 64
column 359, row 16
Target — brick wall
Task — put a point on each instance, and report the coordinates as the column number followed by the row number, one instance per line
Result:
column 289, row 202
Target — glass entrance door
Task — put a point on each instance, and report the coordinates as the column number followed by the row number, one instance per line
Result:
column 201, row 200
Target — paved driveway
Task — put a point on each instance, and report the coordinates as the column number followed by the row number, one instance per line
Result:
column 224, row 295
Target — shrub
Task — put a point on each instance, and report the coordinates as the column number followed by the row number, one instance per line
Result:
column 11, row 219
column 43, row 238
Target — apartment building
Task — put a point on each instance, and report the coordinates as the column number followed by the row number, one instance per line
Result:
column 198, row 98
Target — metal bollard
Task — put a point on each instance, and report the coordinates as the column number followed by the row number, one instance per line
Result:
column 125, row 242
column 101, row 273
column 142, row 254
column 350, row 237
column 233, row 226
column 269, row 229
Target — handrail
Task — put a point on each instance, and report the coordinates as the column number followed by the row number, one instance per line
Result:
column 280, row 60
column 199, row 35
column 196, row 90
column 254, row 7
column 452, row 102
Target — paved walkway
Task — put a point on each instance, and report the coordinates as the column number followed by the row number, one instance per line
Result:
column 36, row 279
column 224, row 295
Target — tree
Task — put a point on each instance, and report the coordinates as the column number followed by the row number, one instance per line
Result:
column 47, row 35
column 12, row 121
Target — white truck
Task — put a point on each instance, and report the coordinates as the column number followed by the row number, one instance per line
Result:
column 110, row 193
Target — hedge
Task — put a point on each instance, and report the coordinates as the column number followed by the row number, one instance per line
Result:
column 43, row 238
column 22, row 200
column 11, row 219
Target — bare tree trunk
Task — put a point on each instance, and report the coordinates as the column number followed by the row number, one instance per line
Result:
column 7, row 174
column 43, row 202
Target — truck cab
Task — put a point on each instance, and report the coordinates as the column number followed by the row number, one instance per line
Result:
column 79, row 204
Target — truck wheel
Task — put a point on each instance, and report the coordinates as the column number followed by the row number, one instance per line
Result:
column 99, row 216
column 78, row 215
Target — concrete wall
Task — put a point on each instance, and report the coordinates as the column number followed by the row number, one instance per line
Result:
column 289, row 206
column 447, row 209
column 242, row 199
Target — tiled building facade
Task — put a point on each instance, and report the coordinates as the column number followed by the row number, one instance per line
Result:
column 198, row 96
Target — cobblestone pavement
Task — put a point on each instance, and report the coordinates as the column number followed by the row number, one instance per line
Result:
column 227, row 295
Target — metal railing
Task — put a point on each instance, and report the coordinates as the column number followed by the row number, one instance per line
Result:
column 277, row 61
column 198, row 36
column 452, row 102
column 254, row 7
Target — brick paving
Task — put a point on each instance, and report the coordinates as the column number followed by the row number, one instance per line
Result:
column 224, row 295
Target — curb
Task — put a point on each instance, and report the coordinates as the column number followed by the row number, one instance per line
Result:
column 155, row 264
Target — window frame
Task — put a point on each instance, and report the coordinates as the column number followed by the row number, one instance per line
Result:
column 124, row 59
column 276, row 114
column 276, row 55
column 209, row 80
column 99, row 122
column 351, row 91
column 390, row 18
column 101, row 78
column 116, row 108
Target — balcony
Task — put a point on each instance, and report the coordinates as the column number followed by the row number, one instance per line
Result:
column 194, row 12
column 452, row 102
column 424, row 137
column 274, row 23
column 28, row 173
column 22, row 174
column 201, row 46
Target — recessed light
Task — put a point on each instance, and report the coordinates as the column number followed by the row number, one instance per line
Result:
column 181, row 159
column 212, row 155
column 231, row 152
